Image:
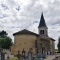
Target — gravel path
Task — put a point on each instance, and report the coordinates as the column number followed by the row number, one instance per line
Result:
column 51, row 57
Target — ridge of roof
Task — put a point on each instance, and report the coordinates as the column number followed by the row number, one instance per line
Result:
column 25, row 32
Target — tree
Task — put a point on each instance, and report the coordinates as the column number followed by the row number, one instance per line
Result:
column 5, row 41
column 3, row 34
column 58, row 45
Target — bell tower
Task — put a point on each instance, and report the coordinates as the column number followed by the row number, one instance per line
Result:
column 43, row 30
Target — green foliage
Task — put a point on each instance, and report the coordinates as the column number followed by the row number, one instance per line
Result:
column 3, row 34
column 58, row 45
column 5, row 41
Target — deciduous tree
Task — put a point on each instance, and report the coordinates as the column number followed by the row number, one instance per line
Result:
column 5, row 41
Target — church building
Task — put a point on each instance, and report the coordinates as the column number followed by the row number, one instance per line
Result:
column 26, row 40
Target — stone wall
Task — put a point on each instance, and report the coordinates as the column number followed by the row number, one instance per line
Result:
column 25, row 42
column 52, row 47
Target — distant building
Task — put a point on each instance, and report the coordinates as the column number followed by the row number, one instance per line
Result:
column 30, row 41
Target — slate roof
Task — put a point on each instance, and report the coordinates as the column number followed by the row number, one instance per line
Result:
column 52, row 39
column 42, row 22
column 25, row 32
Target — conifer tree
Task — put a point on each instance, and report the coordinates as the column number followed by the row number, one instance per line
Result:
column 58, row 45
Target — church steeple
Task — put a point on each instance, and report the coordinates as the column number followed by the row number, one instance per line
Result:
column 42, row 21
column 42, row 26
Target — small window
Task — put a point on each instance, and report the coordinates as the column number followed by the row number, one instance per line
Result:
column 41, row 32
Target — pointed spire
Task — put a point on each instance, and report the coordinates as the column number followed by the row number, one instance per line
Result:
column 42, row 21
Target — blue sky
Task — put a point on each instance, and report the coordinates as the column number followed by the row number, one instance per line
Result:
column 16, row 15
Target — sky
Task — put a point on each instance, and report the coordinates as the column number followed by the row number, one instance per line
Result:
column 16, row 15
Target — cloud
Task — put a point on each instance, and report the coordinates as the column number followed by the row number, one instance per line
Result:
column 16, row 15
column 4, row 7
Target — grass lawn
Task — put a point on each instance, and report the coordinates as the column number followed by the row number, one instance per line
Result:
column 13, row 58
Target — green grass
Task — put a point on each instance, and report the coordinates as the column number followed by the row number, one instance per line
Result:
column 13, row 58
